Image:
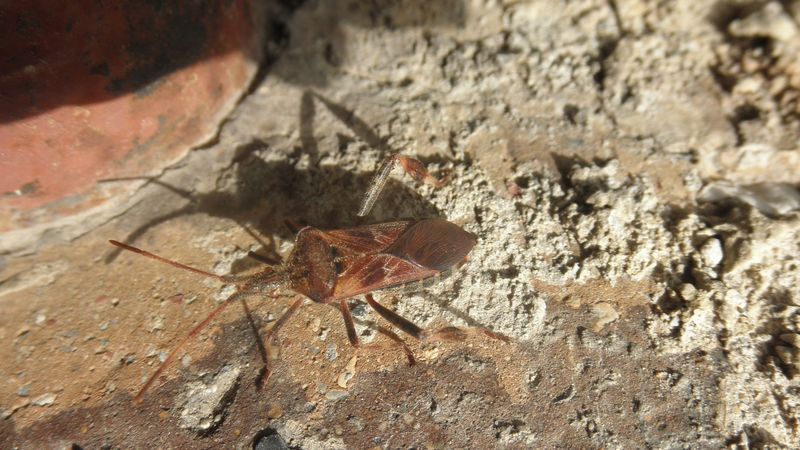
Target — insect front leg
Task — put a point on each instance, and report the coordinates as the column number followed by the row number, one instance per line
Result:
column 412, row 166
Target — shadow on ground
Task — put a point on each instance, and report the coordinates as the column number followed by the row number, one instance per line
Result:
column 263, row 193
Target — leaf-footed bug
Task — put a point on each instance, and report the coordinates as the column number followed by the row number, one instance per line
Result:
column 332, row 266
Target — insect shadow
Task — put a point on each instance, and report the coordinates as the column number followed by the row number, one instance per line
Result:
column 268, row 193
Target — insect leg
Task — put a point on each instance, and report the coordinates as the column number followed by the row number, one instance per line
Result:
column 393, row 336
column 383, row 330
column 418, row 172
column 293, row 225
column 272, row 331
column 348, row 323
column 193, row 333
column 412, row 166
column 451, row 333
column 396, row 319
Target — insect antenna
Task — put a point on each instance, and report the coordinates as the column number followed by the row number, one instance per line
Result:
column 174, row 352
column 130, row 248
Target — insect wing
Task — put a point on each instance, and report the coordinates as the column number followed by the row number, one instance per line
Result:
column 373, row 272
column 366, row 239
column 434, row 244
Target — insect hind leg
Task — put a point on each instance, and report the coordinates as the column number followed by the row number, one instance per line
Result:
column 413, row 167
column 445, row 333
column 352, row 336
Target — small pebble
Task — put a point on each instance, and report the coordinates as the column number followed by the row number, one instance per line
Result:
column 21, row 403
column 785, row 354
column 791, row 338
column 271, row 441
column 275, row 411
column 343, row 378
column 359, row 310
column 605, row 314
column 335, row 394
column 24, row 391
column 102, row 347
column 156, row 323
column 357, row 423
column 349, row 372
column 688, row 292
column 712, row 252
column 331, row 353
column 44, row 399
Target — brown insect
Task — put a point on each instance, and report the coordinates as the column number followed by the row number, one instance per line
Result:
column 332, row 266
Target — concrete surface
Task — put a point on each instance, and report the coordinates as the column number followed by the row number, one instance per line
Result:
column 579, row 135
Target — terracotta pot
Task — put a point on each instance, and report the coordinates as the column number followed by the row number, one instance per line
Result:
column 95, row 90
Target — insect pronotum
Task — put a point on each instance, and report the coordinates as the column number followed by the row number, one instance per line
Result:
column 332, row 266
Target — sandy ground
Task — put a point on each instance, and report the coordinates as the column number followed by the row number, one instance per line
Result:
column 629, row 168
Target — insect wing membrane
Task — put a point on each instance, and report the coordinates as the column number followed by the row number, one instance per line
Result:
column 434, row 244
column 424, row 249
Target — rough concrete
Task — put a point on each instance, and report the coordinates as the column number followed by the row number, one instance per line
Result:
column 579, row 136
